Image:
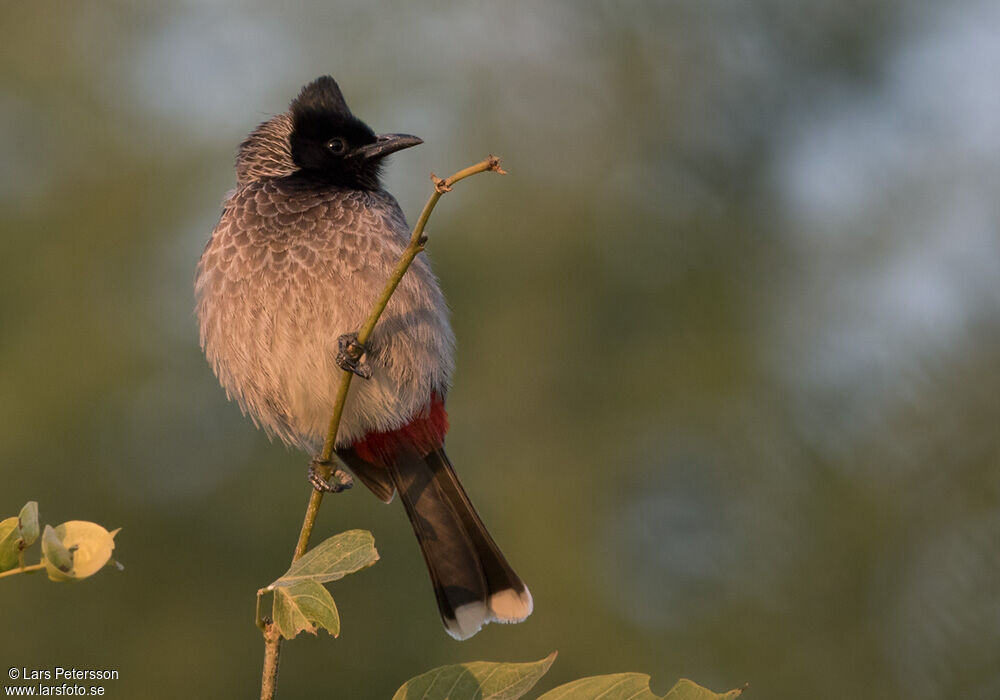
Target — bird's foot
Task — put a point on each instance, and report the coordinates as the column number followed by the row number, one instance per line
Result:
column 352, row 356
column 339, row 481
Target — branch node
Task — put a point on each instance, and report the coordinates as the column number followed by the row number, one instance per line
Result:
column 440, row 186
column 494, row 164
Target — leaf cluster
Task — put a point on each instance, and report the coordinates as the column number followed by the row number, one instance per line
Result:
column 482, row 680
column 72, row 551
column 301, row 602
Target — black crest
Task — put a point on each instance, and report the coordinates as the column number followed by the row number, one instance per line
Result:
column 321, row 97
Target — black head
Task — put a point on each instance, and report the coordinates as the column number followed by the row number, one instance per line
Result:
column 331, row 145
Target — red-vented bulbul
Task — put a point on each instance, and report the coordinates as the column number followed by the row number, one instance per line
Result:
column 305, row 244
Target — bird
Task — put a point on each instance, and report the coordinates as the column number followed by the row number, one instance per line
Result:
column 304, row 245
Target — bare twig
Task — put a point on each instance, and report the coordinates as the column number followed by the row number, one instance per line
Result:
column 30, row 569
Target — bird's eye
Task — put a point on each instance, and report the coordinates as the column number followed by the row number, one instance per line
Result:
column 337, row 146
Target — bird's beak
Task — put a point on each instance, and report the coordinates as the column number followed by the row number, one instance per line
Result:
column 386, row 144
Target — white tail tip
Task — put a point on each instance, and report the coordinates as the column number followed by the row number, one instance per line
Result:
column 505, row 606
column 510, row 606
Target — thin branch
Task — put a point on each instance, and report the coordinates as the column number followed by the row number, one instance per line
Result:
column 272, row 638
column 24, row 570
column 272, row 647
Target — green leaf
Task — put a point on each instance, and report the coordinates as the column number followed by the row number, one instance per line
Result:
column 689, row 690
column 478, row 680
column 631, row 686
column 304, row 607
column 10, row 538
column 55, row 553
column 28, row 523
column 332, row 559
column 76, row 549
column 301, row 603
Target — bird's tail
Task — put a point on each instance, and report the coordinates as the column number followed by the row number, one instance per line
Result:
column 472, row 580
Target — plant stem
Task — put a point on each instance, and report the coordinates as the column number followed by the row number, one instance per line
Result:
column 24, row 570
column 272, row 647
column 272, row 638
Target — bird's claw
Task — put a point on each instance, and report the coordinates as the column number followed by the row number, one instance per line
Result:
column 339, row 481
column 352, row 356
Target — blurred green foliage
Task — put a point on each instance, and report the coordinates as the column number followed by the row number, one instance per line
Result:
column 726, row 387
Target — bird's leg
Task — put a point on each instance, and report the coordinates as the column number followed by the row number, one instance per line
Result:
column 339, row 481
column 353, row 356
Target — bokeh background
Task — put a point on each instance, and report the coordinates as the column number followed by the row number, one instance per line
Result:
column 729, row 333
